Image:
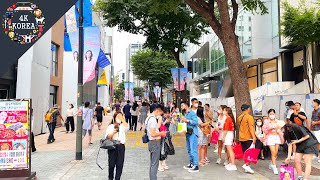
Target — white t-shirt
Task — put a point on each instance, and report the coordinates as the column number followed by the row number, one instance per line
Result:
column 70, row 112
column 119, row 136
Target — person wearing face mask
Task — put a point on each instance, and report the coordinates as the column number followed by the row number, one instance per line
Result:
column 117, row 131
column 315, row 121
column 70, row 118
column 219, row 127
column 260, row 137
column 274, row 137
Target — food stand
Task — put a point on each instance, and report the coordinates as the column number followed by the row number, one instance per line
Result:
column 15, row 134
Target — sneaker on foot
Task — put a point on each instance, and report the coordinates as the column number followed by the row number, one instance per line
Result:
column 218, row 161
column 300, row 178
column 275, row 170
column 187, row 167
column 215, row 151
column 194, row 169
column 207, row 160
column 247, row 169
column 231, row 167
column 226, row 162
column 161, row 169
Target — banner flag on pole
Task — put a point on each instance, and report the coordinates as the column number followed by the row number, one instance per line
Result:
column 103, row 60
column 103, row 81
column 87, row 13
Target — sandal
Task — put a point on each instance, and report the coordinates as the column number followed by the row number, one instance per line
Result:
column 262, row 158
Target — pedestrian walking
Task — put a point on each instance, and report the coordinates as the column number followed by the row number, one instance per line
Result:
column 88, row 122
column 219, row 127
column 143, row 114
column 273, row 138
column 228, row 136
column 99, row 113
column 70, row 118
column 117, row 131
column 126, row 110
column 134, row 111
column 315, row 121
column 306, row 144
column 117, row 106
column 247, row 132
column 53, row 115
column 191, row 119
column 154, row 136
column 260, row 137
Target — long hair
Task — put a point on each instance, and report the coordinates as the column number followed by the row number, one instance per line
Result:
column 134, row 107
column 91, row 54
column 115, row 116
column 230, row 113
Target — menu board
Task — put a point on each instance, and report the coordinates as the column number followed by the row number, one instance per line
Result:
column 14, row 126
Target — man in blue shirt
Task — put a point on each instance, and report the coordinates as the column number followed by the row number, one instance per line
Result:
column 127, row 114
column 191, row 119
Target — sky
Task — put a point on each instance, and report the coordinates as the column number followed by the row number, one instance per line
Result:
column 121, row 41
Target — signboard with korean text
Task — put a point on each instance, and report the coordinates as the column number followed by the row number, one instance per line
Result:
column 14, row 134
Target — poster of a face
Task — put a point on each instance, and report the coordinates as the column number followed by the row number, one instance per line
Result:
column 91, row 50
column 76, row 56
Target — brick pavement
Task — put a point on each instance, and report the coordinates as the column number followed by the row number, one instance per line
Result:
column 56, row 161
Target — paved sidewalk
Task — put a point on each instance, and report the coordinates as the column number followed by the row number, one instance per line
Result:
column 56, row 161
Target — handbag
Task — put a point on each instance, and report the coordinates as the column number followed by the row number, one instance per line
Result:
column 206, row 130
column 108, row 144
column 214, row 137
column 237, row 148
column 170, row 146
column 286, row 172
column 145, row 137
column 251, row 155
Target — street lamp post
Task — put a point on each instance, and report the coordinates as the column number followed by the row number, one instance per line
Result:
column 80, row 84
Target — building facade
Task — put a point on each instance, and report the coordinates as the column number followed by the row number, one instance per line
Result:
column 130, row 77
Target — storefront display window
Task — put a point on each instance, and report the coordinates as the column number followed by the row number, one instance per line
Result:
column 252, row 74
column 269, row 71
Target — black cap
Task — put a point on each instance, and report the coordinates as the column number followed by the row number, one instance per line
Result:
column 289, row 103
column 317, row 101
column 245, row 107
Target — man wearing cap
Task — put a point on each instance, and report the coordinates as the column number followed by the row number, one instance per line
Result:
column 247, row 135
column 52, row 126
column 315, row 121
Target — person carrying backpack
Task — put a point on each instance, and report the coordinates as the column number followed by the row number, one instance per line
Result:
column 51, row 120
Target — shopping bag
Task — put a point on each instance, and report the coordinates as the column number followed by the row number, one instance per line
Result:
column 182, row 127
column 237, row 148
column 286, row 172
column 251, row 155
column 214, row 137
column 173, row 129
column 163, row 128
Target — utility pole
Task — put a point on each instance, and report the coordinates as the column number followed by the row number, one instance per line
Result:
column 80, row 84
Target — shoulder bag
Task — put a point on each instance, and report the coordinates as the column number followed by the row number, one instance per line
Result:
column 145, row 137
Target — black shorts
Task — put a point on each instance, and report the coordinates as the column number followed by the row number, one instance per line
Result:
column 245, row 145
column 99, row 119
column 308, row 150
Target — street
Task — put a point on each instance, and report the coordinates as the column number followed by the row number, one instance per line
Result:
column 56, row 161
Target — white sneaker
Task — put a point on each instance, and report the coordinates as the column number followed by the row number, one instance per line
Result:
column 165, row 167
column 231, row 167
column 226, row 162
column 215, row 151
column 275, row 170
column 218, row 161
column 161, row 169
column 247, row 169
column 270, row 166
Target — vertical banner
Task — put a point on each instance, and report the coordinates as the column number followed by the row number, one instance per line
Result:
column 14, row 134
column 91, row 50
column 183, row 78
column 131, row 92
column 126, row 91
column 174, row 72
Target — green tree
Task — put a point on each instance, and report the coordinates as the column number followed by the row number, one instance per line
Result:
column 169, row 32
column 138, row 91
column 119, row 91
column 301, row 27
column 153, row 66
column 222, row 16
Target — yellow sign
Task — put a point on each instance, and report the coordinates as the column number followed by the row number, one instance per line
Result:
column 103, row 81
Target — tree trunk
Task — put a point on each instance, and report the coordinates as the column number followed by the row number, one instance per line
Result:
column 177, row 58
column 305, row 67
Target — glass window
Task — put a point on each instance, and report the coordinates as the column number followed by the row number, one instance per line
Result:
column 249, row 28
column 269, row 66
column 252, row 71
column 240, row 28
column 253, row 82
column 270, row 77
column 54, row 59
column 249, row 18
column 53, row 95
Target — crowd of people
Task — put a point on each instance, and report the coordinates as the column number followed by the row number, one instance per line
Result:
column 297, row 134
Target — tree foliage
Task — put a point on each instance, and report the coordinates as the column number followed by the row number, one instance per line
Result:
column 138, row 91
column 301, row 24
column 153, row 66
column 169, row 32
column 119, row 91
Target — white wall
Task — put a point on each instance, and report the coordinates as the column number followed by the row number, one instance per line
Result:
column 69, row 82
column 33, row 79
